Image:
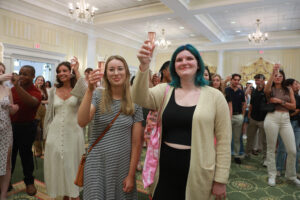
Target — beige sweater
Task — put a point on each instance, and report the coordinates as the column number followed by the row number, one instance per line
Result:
column 211, row 119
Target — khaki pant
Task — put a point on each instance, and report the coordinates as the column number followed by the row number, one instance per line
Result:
column 279, row 122
column 237, row 123
column 252, row 129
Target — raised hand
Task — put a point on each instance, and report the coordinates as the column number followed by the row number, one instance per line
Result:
column 74, row 63
column 145, row 55
column 15, row 80
column 5, row 77
column 276, row 68
column 94, row 77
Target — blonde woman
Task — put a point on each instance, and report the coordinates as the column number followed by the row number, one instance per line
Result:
column 220, row 85
column 109, row 171
column 6, row 138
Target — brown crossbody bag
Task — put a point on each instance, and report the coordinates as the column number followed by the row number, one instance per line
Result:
column 79, row 177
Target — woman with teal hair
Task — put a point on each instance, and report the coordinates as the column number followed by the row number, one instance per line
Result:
column 190, row 165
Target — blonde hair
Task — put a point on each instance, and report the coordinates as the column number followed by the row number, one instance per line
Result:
column 127, row 106
column 221, row 87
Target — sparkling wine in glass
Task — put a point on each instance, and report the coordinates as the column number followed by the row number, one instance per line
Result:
column 73, row 62
column 101, row 66
column 151, row 37
column 278, row 63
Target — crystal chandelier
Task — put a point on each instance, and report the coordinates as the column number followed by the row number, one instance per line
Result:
column 258, row 37
column 82, row 12
column 162, row 43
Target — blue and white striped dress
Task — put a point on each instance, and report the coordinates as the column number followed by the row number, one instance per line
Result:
column 107, row 165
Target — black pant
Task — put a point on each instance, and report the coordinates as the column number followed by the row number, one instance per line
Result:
column 23, row 135
column 174, row 167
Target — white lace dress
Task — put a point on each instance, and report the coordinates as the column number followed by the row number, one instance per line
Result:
column 64, row 148
column 6, row 138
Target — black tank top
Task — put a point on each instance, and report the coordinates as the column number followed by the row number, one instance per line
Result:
column 177, row 123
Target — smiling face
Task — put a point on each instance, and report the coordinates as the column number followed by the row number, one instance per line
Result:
column 39, row 81
column 63, row 73
column 26, row 76
column 186, row 65
column 216, row 82
column 116, row 73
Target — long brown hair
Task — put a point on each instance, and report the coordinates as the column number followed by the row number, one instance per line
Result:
column 73, row 77
column 43, row 87
column 127, row 106
column 222, row 87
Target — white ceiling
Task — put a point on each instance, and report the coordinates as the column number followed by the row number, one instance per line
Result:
column 209, row 24
column 105, row 6
column 275, row 17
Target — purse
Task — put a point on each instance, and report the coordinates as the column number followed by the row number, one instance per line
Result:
column 152, row 154
column 79, row 176
column 267, row 107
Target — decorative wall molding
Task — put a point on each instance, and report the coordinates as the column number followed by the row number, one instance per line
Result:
column 260, row 66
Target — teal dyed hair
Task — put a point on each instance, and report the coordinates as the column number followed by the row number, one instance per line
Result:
column 199, row 79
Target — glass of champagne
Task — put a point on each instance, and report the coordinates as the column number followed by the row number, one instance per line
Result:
column 278, row 63
column 151, row 38
column 73, row 62
column 101, row 67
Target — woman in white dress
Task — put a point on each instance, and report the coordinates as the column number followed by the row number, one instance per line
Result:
column 64, row 138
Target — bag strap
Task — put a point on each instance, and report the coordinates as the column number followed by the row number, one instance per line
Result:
column 162, row 103
column 103, row 133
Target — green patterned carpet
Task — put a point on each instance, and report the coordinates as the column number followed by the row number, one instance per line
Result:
column 247, row 181
column 250, row 181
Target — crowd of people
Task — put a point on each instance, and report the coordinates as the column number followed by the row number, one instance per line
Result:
column 204, row 119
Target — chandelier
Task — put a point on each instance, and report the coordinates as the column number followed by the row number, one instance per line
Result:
column 162, row 43
column 82, row 12
column 258, row 37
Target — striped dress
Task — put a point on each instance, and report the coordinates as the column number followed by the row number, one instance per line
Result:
column 107, row 165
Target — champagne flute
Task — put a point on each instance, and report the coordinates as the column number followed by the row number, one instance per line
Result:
column 101, row 66
column 278, row 63
column 151, row 38
column 73, row 62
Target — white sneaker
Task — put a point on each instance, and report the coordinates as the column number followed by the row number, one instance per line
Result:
column 272, row 182
column 265, row 163
column 296, row 182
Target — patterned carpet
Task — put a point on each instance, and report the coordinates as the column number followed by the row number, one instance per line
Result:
column 250, row 181
column 247, row 181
